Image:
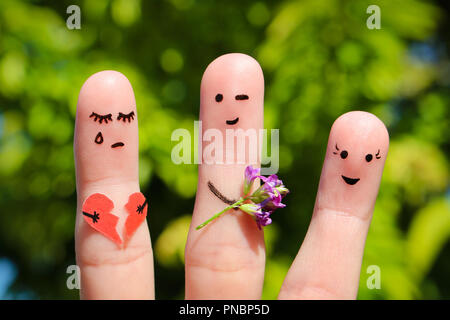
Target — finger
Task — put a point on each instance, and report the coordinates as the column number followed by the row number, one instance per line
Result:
column 329, row 261
column 106, row 158
column 225, row 259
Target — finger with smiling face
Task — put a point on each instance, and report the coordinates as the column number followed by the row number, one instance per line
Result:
column 225, row 259
column 113, row 265
column 329, row 261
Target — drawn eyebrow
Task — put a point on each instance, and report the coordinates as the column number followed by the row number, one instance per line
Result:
column 126, row 117
column 101, row 118
column 241, row 97
column 336, row 149
column 378, row 154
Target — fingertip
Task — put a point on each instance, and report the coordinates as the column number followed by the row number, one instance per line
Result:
column 362, row 124
column 231, row 115
column 103, row 90
column 105, row 79
column 356, row 153
column 233, row 64
column 232, row 93
column 106, row 130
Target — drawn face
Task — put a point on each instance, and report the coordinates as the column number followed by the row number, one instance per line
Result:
column 108, row 117
column 231, row 99
column 344, row 154
column 232, row 90
column 356, row 152
column 107, row 125
column 219, row 99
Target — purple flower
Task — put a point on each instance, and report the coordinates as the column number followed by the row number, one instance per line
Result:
column 275, row 183
column 272, row 180
column 264, row 201
column 262, row 193
column 272, row 203
column 263, row 219
column 250, row 175
column 270, row 194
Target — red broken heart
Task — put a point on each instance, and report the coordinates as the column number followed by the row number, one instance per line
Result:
column 137, row 210
column 97, row 213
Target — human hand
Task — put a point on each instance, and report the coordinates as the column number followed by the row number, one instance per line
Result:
column 226, row 259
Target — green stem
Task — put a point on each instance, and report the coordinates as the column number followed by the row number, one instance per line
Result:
column 234, row 205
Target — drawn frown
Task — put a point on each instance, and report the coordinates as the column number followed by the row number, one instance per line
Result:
column 128, row 117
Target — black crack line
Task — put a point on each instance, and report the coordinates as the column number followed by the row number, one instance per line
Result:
column 140, row 208
column 95, row 217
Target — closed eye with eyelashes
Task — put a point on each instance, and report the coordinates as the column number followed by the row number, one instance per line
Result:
column 100, row 118
column 125, row 117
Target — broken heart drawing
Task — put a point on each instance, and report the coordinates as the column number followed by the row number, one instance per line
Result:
column 97, row 213
column 137, row 210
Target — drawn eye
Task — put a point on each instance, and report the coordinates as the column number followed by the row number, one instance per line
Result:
column 369, row 157
column 241, row 97
column 219, row 97
column 337, row 149
column 125, row 117
column 344, row 153
column 100, row 118
column 378, row 154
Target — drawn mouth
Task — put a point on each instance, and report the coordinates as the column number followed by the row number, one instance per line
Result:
column 117, row 144
column 350, row 181
column 233, row 121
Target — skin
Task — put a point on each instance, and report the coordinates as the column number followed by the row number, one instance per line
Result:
column 108, row 271
column 223, row 255
column 225, row 259
column 329, row 262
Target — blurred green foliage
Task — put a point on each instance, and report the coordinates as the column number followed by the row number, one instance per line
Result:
column 319, row 59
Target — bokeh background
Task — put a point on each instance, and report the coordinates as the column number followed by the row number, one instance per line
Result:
column 319, row 60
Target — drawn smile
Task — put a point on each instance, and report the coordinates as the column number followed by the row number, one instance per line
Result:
column 350, row 181
column 232, row 122
column 117, row 144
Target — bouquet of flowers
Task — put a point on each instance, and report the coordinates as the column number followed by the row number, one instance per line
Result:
column 262, row 202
